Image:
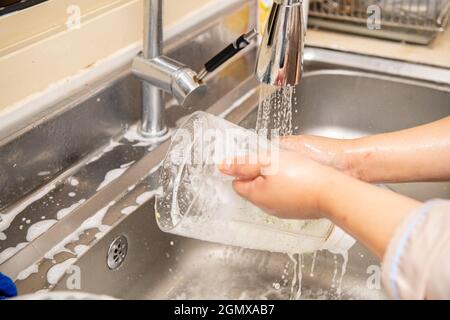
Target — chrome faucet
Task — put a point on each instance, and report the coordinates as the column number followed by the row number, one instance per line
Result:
column 280, row 56
column 160, row 73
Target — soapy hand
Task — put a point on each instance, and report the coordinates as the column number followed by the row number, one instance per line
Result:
column 411, row 155
column 336, row 153
column 293, row 191
column 304, row 189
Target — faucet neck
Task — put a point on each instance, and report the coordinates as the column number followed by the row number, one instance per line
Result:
column 153, row 29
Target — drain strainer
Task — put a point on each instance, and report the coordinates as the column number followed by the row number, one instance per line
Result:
column 117, row 252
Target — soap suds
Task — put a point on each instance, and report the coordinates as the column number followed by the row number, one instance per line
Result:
column 337, row 283
column 113, row 175
column 148, row 195
column 24, row 274
column 156, row 168
column 73, row 181
column 66, row 211
column 133, row 135
column 111, row 146
column 126, row 165
column 94, row 221
column 128, row 210
column 57, row 271
column 39, row 228
column 8, row 253
column 80, row 249
column 8, row 217
column 94, row 158
column 42, row 291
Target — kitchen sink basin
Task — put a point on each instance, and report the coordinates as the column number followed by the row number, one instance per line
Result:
column 81, row 216
column 164, row 266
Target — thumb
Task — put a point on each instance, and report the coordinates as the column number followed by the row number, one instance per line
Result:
column 250, row 189
column 241, row 168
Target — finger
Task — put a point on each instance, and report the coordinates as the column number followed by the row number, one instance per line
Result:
column 241, row 168
column 250, row 189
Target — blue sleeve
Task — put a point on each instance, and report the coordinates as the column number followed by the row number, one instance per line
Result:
column 7, row 287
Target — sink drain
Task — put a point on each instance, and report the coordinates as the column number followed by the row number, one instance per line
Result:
column 117, row 252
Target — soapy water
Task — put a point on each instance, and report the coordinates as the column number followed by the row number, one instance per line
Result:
column 276, row 106
column 9, row 252
column 24, row 274
column 337, row 282
column 296, row 285
column 249, row 275
column 313, row 264
column 96, row 221
column 39, row 228
column 113, row 175
column 33, row 231
column 57, row 271
column 8, row 217
column 67, row 211
column 229, row 220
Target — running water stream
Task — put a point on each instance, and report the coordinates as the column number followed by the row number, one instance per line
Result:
column 275, row 110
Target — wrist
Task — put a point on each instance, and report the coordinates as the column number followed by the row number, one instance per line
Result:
column 328, row 190
column 356, row 156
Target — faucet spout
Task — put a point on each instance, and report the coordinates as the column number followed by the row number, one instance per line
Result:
column 161, row 74
column 280, row 56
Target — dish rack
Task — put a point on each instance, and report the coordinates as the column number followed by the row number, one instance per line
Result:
column 414, row 21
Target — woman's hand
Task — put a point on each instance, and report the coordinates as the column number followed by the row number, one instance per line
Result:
column 336, row 153
column 304, row 189
column 411, row 155
column 293, row 189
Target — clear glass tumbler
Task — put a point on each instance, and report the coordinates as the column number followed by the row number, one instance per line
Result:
column 198, row 201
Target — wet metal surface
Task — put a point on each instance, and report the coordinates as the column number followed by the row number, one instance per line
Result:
column 81, row 177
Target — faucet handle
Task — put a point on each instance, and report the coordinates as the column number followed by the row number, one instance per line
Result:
column 226, row 54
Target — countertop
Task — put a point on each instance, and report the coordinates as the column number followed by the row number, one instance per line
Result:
column 437, row 53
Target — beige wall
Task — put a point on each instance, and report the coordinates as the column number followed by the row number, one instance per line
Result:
column 37, row 49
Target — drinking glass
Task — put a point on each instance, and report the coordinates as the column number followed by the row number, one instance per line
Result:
column 198, row 201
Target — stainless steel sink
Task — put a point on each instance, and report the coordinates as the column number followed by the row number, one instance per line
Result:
column 99, row 183
column 163, row 266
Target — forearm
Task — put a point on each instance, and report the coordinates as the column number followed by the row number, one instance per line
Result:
column 368, row 213
column 416, row 154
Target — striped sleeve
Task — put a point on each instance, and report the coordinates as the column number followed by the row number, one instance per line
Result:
column 417, row 261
